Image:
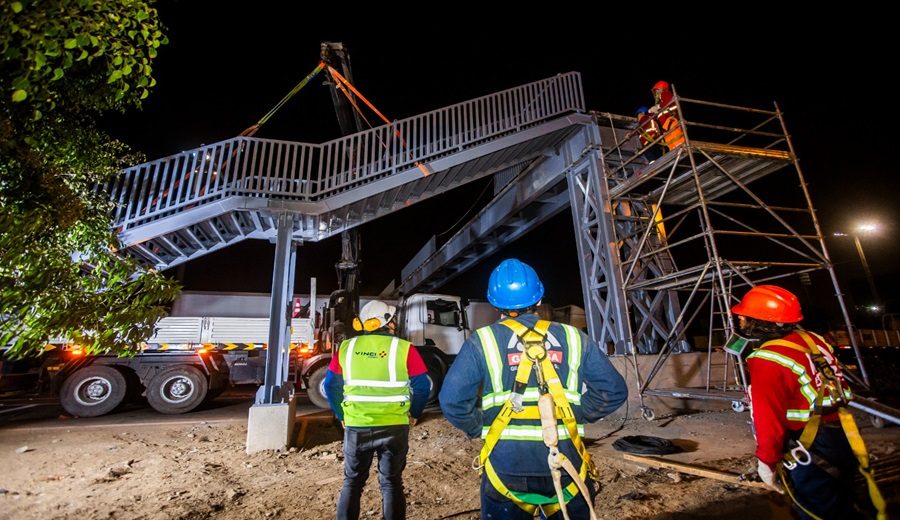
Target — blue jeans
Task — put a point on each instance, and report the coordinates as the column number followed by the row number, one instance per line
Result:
column 819, row 492
column 390, row 443
column 495, row 506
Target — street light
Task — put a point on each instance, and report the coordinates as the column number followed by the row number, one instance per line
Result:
column 865, row 228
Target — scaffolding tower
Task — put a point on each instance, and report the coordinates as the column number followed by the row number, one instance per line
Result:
column 692, row 231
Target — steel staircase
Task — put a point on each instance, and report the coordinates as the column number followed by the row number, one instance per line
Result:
column 184, row 206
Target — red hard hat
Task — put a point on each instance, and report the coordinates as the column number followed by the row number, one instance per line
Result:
column 660, row 85
column 770, row 303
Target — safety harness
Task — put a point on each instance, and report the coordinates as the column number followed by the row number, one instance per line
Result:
column 831, row 395
column 552, row 406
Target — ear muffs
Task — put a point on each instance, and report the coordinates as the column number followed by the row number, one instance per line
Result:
column 370, row 325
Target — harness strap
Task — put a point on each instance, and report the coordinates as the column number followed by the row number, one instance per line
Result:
column 557, row 460
column 831, row 383
column 859, row 451
column 560, row 408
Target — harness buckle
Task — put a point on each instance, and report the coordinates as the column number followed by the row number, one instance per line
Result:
column 535, row 351
column 516, row 402
column 799, row 456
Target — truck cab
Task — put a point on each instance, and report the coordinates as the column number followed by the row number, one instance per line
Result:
column 438, row 325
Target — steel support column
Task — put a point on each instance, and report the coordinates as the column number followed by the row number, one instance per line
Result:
column 274, row 389
column 605, row 304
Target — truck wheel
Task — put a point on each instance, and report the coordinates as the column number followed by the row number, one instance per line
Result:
column 435, row 376
column 177, row 390
column 93, row 391
column 315, row 390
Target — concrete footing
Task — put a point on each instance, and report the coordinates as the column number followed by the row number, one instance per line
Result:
column 270, row 426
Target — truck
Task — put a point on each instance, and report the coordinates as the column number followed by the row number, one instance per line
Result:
column 173, row 380
column 212, row 340
column 193, row 356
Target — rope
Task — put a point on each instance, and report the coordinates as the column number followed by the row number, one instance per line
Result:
column 787, row 487
column 342, row 80
column 352, row 100
column 645, row 445
column 474, row 203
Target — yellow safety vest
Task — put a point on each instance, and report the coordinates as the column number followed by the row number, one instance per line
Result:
column 376, row 380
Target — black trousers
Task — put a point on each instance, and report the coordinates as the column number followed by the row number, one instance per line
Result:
column 825, row 495
column 361, row 445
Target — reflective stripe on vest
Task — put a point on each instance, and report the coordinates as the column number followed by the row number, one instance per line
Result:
column 799, row 370
column 493, row 357
column 806, row 387
column 528, row 433
column 573, row 340
column 376, row 382
column 497, row 394
column 491, row 400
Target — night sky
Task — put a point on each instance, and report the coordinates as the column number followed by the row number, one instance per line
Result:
column 228, row 64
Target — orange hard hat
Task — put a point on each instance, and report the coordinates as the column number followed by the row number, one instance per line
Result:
column 770, row 303
column 660, row 85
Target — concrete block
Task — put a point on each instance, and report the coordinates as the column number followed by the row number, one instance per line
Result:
column 270, row 426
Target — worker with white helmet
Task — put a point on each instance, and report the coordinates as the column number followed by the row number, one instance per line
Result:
column 377, row 388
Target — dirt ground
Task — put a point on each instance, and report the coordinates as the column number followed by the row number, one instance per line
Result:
column 162, row 471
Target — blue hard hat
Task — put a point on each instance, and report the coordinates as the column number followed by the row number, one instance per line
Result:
column 641, row 110
column 514, row 285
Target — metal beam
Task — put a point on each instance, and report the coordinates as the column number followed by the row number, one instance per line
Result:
column 274, row 389
column 503, row 209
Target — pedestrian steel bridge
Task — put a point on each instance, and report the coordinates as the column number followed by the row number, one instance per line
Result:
column 180, row 207
column 657, row 242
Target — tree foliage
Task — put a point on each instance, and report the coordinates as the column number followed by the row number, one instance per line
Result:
column 61, row 64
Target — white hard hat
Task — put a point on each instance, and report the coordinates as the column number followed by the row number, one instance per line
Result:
column 374, row 315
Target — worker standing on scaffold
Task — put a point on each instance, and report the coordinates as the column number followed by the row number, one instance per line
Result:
column 540, row 382
column 806, row 437
column 666, row 112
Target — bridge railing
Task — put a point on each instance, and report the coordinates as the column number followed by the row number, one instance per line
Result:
column 301, row 171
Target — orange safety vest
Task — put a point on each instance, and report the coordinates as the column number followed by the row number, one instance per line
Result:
column 673, row 135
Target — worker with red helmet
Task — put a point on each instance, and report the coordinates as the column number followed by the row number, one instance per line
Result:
column 805, row 436
column 666, row 112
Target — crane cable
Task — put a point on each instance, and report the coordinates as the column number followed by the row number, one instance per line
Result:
column 248, row 132
column 339, row 79
column 309, row 77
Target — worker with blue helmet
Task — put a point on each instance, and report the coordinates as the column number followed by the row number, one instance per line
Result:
column 648, row 134
column 530, row 371
column 514, row 285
